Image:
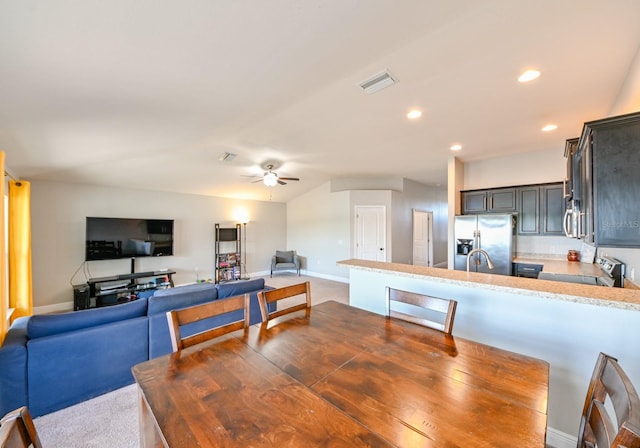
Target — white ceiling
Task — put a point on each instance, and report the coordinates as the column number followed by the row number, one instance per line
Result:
column 149, row 93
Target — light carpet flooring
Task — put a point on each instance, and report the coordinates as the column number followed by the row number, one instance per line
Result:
column 111, row 420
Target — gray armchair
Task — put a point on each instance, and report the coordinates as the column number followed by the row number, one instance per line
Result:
column 285, row 260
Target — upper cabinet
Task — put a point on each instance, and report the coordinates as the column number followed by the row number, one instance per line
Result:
column 528, row 210
column 540, row 208
column 552, row 208
column 498, row 200
column 570, row 149
column 613, row 145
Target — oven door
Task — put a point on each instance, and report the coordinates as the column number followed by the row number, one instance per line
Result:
column 605, row 281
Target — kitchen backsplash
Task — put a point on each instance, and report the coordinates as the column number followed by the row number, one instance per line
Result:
column 545, row 246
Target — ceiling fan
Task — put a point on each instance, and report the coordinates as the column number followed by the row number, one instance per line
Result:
column 271, row 178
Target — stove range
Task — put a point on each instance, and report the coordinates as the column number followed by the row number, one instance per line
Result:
column 612, row 270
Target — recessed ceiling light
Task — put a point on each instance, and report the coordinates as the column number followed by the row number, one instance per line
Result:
column 529, row 75
column 550, row 127
column 455, row 147
column 414, row 113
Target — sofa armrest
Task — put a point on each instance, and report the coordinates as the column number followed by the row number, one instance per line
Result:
column 13, row 373
column 67, row 368
column 273, row 262
column 296, row 260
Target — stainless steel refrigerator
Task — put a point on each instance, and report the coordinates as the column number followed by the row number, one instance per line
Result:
column 494, row 233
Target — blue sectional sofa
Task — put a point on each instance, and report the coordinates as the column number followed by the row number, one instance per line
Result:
column 49, row 362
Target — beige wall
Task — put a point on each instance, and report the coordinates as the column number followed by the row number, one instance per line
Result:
column 518, row 169
column 318, row 229
column 58, row 233
column 423, row 198
column 320, row 224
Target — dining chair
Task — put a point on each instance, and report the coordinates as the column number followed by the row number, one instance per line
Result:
column 273, row 295
column 199, row 313
column 439, row 313
column 610, row 389
column 18, row 431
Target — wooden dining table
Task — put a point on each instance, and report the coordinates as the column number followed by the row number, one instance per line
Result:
column 339, row 376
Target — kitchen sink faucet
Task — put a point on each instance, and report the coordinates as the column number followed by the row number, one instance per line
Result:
column 490, row 264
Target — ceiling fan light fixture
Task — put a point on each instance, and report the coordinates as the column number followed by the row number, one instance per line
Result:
column 270, row 179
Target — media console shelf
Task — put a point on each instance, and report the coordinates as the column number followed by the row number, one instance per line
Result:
column 106, row 291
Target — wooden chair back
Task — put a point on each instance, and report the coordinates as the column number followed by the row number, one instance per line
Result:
column 610, row 384
column 185, row 316
column 266, row 297
column 444, row 307
column 18, row 431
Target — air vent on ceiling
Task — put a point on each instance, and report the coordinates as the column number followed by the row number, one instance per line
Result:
column 226, row 157
column 378, row 82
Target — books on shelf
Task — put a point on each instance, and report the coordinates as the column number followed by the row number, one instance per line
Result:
column 228, row 260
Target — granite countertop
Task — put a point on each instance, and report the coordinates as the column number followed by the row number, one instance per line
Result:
column 559, row 266
column 573, row 292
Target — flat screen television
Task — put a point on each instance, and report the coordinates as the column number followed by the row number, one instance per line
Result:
column 113, row 238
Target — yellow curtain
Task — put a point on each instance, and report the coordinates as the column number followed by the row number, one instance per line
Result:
column 4, row 301
column 20, row 294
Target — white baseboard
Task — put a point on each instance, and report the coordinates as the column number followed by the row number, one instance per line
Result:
column 55, row 308
column 335, row 278
column 559, row 439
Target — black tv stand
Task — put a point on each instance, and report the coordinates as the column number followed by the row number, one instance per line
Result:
column 106, row 291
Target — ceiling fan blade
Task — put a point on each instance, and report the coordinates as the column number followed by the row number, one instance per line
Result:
column 289, row 178
column 280, row 181
column 256, row 181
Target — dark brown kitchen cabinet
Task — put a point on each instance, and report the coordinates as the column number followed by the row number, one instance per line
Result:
column 615, row 152
column 570, row 149
column 529, row 210
column 540, row 209
column 528, row 270
column 499, row 200
column 552, row 206
column 474, row 202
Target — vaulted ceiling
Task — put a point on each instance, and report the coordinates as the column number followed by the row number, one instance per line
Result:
column 149, row 94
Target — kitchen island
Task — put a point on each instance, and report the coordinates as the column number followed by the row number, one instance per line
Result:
column 565, row 324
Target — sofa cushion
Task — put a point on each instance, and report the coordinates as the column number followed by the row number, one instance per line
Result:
column 50, row 324
column 231, row 289
column 285, row 256
column 181, row 297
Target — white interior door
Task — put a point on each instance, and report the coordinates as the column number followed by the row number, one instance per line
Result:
column 422, row 238
column 370, row 232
